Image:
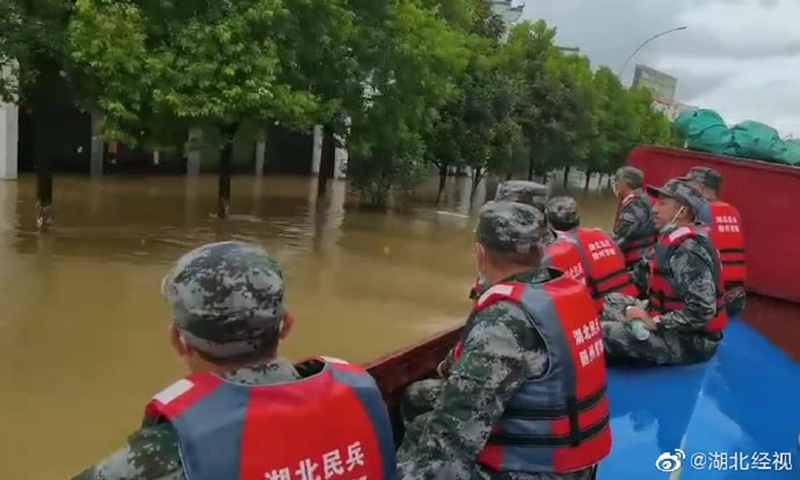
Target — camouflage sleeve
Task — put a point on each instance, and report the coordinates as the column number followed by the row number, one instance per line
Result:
column 631, row 219
column 693, row 281
column 499, row 353
column 641, row 274
column 151, row 454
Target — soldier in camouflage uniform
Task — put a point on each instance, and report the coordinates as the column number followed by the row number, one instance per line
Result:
column 528, row 193
column 679, row 336
column 420, row 396
column 709, row 182
column 228, row 318
column 633, row 230
column 501, row 351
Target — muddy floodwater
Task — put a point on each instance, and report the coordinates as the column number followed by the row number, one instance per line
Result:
column 83, row 327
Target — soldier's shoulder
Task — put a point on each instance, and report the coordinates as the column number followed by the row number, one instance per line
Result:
column 691, row 255
column 640, row 202
column 503, row 319
column 152, row 453
column 692, row 246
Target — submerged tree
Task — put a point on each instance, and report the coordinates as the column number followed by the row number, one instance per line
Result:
column 32, row 34
column 413, row 55
column 212, row 65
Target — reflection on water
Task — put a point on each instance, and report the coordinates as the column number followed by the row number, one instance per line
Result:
column 82, row 326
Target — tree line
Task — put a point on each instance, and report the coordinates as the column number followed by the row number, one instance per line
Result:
column 408, row 84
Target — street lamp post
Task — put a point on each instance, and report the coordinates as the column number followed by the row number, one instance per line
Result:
column 643, row 44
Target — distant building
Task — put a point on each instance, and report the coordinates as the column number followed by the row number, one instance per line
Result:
column 662, row 85
column 673, row 111
column 509, row 10
column 677, row 108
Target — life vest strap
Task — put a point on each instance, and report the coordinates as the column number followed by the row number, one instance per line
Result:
column 595, row 282
column 569, row 440
column 638, row 243
column 731, row 250
column 550, row 413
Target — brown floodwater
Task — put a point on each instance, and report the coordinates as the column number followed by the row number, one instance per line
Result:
column 83, row 327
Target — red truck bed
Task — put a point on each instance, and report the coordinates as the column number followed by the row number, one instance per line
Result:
column 768, row 199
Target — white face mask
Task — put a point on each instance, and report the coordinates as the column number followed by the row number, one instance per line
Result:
column 479, row 252
column 671, row 223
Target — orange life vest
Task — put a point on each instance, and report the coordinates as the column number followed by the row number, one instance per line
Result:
column 559, row 423
column 563, row 255
column 634, row 247
column 326, row 425
column 604, row 264
column 663, row 297
column 725, row 229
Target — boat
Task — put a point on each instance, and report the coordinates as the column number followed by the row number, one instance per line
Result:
column 734, row 417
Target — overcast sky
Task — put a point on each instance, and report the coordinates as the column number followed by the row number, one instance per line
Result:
column 738, row 57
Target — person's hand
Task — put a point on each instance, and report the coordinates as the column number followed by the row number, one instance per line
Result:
column 441, row 370
column 636, row 313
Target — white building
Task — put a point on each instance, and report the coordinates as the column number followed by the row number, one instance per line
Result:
column 509, row 10
column 674, row 110
column 9, row 137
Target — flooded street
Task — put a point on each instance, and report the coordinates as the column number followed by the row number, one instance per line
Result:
column 83, row 328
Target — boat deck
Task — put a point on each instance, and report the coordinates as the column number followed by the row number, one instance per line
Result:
column 736, row 417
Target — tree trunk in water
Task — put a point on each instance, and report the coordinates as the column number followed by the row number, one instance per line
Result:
column 327, row 163
column 476, row 179
column 44, row 194
column 566, row 177
column 588, row 178
column 224, row 197
column 530, row 168
column 442, row 182
column 508, row 176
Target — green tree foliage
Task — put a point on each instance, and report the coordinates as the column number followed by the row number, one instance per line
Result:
column 523, row 104
column 30, row 31
column 414, row 56
column 412, row 85
column 210, row 64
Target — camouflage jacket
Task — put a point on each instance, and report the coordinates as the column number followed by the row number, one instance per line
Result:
column 692, row 269
column 634, row 220
column 152, row 452
column 501, row 351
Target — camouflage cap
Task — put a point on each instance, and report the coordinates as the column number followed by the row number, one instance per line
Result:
column 632, row 176
column 523, row 191
column 510, row 227
column 705, row 176
column 680, row 191
column 225, row 297
column 562, row 212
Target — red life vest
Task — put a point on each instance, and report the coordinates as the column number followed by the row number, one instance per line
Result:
column 725, row 229
column 634, row 247
column 663, row 298
column 563, row 255
column 329, row 424
column 559, row 423
column 604, row 264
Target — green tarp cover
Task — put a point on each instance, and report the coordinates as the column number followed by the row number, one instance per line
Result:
column 705, row 131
